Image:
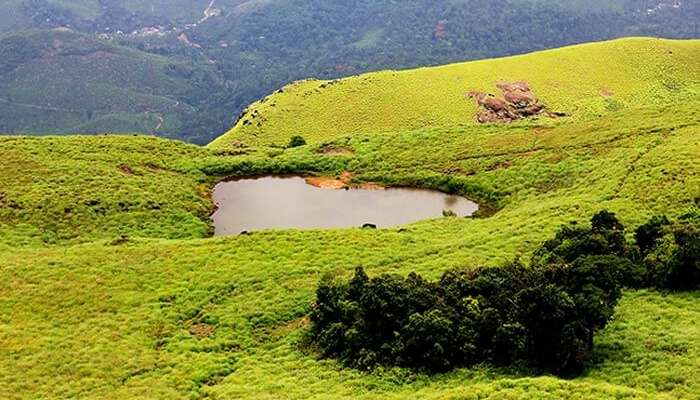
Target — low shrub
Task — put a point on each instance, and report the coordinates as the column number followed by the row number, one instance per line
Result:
column 296, row 141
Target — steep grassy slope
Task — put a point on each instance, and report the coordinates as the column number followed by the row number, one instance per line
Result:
column 169, row 314
column 582, row 81
column 60, row 81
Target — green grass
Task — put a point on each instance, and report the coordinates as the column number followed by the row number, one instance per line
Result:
column 85, row 316
column 100, row 321
column 82, row 188
column 637, row 71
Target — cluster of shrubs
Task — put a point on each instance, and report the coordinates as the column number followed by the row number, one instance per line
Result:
column 544, row 315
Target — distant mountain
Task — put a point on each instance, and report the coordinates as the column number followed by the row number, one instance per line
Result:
column 242, row 50
column 61, row 81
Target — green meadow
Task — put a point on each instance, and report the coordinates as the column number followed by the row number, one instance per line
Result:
column 111, row 286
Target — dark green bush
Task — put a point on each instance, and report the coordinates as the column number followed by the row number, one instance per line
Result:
column 605, row 239
column 647, row 235
column 674, row 260
column 296, row 141
column 605, row 236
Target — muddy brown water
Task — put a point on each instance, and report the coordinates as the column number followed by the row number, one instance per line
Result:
column 289, row 202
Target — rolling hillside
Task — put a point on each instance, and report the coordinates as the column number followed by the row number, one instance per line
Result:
column 584, row 82
column 110, row 287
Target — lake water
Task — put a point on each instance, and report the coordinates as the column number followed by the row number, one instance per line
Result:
column 289, row 202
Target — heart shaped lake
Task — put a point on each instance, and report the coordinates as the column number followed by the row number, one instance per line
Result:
column 292, row 203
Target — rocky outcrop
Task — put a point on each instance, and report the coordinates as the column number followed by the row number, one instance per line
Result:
column 518, row 102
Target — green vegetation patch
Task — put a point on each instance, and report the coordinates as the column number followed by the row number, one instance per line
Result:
column 369, row 39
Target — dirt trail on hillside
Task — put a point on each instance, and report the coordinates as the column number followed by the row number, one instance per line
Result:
column 160, row 123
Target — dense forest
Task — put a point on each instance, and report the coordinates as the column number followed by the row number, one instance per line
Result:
column 233, row 52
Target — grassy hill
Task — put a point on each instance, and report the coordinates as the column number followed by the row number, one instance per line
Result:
column 169, row 313
column 584, row 81
column 61, row 81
